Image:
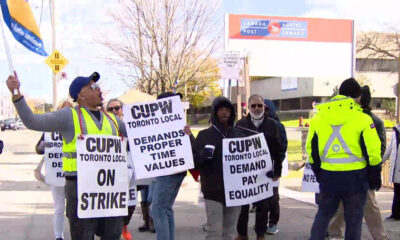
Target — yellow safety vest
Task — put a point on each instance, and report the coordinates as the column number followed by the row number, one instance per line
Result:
column 339, row 125
column 88, row 127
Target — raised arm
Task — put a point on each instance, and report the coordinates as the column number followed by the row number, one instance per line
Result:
column 60, row 120
column 50, row 122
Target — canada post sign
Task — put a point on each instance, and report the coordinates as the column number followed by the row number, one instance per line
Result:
column 273, row 28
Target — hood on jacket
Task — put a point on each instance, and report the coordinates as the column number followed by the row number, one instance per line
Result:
column 335, row 111
column 222, row 102
column 271, row 108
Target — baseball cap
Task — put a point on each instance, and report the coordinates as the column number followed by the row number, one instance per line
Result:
column 79, row 82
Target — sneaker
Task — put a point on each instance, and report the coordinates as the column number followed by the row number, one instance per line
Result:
column 126, row 234
column 144, row 228
column 204, row 227
column 391, row 219
column 272, row 230
column 253, row 209
column 239, row 237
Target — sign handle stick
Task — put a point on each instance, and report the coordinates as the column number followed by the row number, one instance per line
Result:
column 8, row 53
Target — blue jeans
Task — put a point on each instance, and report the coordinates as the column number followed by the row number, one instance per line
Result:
column 150, row 192
column 164, row 193
column 353, row 204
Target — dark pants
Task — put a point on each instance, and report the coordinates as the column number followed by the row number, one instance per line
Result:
column 396, row 202
column 84, row 229
column 274, row 210
column 127, row 219
column 261, row 218
column 353, row 204
column 144, row 192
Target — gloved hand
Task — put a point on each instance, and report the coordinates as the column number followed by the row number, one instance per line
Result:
column 41, row 145
column 374, row 177
column 270, row 174
column 317, row 170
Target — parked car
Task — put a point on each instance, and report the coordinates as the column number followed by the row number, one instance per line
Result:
column 9, row 124
column 20, row 124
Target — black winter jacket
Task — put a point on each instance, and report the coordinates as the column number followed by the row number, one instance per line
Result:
column 380, row 129
column 269, row 128
column 211, row 172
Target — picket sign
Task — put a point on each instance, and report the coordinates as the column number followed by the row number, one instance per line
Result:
column 54, row 174
column 157, row 142
column 309, row 183
column 245, row 164
column 102, row 176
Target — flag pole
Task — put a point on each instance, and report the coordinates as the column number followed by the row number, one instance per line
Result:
column 7, row 49
column 53, row 45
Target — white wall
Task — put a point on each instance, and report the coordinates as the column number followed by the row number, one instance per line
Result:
column 381, row 83
column 295, row 58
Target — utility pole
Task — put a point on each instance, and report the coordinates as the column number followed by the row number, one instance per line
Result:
column 396, row 92
column 238, row 101
column 246, row 77
column 53, row 46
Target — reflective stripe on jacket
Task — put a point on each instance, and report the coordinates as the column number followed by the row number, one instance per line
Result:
column 108, row 127
column 339, row 130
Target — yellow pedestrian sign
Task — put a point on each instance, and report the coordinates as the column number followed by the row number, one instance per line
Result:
column 56, row 61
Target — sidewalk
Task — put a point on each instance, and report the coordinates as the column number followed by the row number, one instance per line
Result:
column 291, row 187
column 26, row 209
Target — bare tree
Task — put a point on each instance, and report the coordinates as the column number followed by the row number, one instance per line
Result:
column 378, row 45
column 164, row 42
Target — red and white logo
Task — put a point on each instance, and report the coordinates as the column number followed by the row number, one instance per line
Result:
column 64, row 75
column 274, row 27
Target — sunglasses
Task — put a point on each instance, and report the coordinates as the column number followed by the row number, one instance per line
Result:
column 94, row 86
column 116, row 108
column 257, row 105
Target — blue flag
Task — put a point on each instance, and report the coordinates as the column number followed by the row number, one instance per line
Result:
column 19, row 18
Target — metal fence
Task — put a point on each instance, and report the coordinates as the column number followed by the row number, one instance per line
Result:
column 385, row 166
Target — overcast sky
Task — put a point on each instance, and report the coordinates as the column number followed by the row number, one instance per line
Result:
column 80, row 22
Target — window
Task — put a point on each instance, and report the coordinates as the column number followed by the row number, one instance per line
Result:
column 376, row 65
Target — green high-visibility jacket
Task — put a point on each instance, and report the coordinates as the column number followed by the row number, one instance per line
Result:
column 341, row 131
column 109, row 127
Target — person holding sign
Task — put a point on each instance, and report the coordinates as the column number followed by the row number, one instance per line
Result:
column 165, row 190
column 58, row 192
column 258, row 122
column 74, row 124
column 115, row 106
column 207, row 153
column 344, row 152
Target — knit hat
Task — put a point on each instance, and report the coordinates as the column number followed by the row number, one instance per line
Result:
column 365, row 97
column 350, row 88
column 168, row 94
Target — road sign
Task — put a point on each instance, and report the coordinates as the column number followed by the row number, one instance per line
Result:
column 56, row 61
column 230, row 65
